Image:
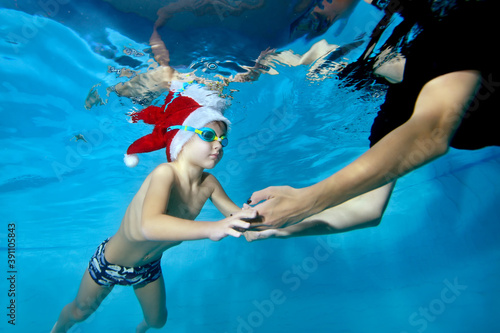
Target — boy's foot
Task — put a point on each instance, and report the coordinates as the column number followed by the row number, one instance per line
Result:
column 142, row 327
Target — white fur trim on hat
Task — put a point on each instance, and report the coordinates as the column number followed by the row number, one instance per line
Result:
column 197, row 119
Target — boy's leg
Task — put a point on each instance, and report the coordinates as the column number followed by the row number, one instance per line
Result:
column 89, row 297
column 152, row 299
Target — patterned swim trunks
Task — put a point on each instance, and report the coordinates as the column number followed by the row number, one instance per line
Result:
column 107, row 274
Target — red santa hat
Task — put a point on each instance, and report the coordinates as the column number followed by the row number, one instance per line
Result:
column 188, row 105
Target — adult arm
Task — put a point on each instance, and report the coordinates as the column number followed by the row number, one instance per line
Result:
column 363, row 211
column 425, row 136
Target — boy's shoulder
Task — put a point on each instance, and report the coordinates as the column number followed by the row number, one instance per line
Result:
column 164, row 169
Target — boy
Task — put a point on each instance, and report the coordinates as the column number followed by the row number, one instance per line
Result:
column 161, row 214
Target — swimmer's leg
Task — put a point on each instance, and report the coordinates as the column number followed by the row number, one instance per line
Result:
column 152, row 299
column 89, row 297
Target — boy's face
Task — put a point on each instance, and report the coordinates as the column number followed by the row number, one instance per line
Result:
column 203, row 153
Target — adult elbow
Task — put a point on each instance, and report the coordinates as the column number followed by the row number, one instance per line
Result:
column 442, row 149
column 430, row 145
column 372, row 213
column 372, row 216
column 375, row 222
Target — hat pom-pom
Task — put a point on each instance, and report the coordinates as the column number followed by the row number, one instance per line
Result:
column 131, row 160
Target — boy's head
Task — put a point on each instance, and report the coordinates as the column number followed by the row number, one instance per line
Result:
column 205, row 148
column 191, row 107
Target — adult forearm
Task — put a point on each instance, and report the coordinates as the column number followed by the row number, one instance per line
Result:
column 401, row 151
column 306, row 228
column 363, row 211
column 425, row 136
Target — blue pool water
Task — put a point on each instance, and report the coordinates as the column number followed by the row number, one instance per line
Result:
column 431, row 266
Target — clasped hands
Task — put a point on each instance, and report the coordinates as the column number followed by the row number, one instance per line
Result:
column 277, row 207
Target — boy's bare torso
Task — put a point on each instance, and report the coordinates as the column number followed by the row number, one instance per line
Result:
column 129, row 248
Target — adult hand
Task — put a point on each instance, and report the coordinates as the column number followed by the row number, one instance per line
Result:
column 261, row 235
column 283, row 205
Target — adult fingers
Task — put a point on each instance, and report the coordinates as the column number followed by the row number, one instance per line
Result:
column 260, row 196
column 258, row 235
column 250, row 235
column 266, row 233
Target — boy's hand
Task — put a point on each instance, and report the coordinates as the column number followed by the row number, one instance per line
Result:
column 233, row 225
column 255, row 222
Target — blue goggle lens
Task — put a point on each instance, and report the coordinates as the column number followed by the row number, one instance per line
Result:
column 209, row 135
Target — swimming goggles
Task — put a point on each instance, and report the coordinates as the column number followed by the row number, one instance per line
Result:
column 205, row 133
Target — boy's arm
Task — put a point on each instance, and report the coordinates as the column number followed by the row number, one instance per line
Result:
column 156, row 225
column 220, row 199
